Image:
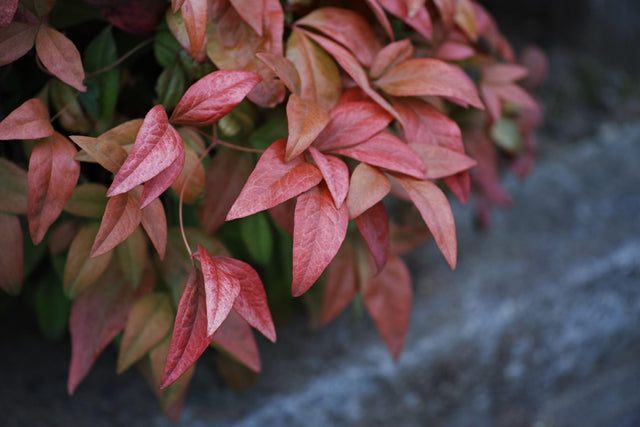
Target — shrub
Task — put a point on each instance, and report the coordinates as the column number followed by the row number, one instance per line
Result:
column 193, row 148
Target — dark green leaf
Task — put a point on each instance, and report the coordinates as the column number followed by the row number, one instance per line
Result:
column 101, row 53
column 52, row 307
column 171, row 85
column 272, row 130
column 165, row 45
column 256, row 234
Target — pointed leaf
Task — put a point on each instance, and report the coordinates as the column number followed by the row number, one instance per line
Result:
column 191, row 177
column 251, row 12
column 386, row 151
column 29, row 121
column 251, row 302
column 52, row 176
column 340, row 284
column 87, row 200
column 60, row 56
column 13, row 188
column 189, row 339
column 378, row 11
column 149, row 321
column 195, row 14
column 346, row 27
column 389, row 56
column 465, row 18
column 419, row 19
column 107, row 153
column 227, row 173
column 318, row 233
column 97, row 316
column 367, row 187
column 81, row 270
column 154, row 222
column 132, row 255
column 120, row 219
column 274, row 181
column 157, row 145
column 235, row 337
column 430, row 77
column 213, row 96
column 351, row 123
column 405, row 238
column 284, row 69
column 440, row 161
column 124, row 134
column 305, row 119
column 374, row 227
column 159, row 183
column 319, row 76
column 7, row 11
column 16, row 40
column 11, row 248
column 453, row 51
column 387, row 297
column 335, row 173
column 221, row 289
column 436, row 213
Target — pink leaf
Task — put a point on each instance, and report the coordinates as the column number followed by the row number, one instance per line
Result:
column 51, row 178
column 453, row 51
column 29, row 121
column 7, row 11
column 419, row 19
column 284, row 69
column 274, row 181
column 16, row 40
column 335, row 173
column 251, row 12
column 154, row 222
column 386, row 151
column 305, row 119
column 374, row 227
column 60, row 56
column 120, row 219
column 235, row 336
column 340, row 285
column 165, row 179
column 430, row 77
column 436, row 213
column 195, row 14
column 381, row 17
column 318, row 233
column 389, row 56
column 368, row 186
column 157, row 145
column 213, row 96
column 221, row 289
column 387, row 297
column 440, row 161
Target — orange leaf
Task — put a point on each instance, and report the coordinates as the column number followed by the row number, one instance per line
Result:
column 305, row 119
column 60, row 56
column 12, row 254
column 106, row 152
column 52, row 176
column 195, row 14
column 368, row 186
column 154, row 222
column 191, row 177
column 16, row 40
column 120, row 219
column 81, row 270
column 284, row 69
column 29, row 121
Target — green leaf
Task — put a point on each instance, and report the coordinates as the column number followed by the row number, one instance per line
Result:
column 165, row 45
column 506, row 135
column 171, row 85
column 256, row 234
column 101, row 53
column 272, row 130
column 52, row 307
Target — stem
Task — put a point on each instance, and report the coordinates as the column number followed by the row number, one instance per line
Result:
column 120, row 60
column 60, row 111
column 228, row 144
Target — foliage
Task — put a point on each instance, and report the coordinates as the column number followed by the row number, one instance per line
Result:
column 315, row 112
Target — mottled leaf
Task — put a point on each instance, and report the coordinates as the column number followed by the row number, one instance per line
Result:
column 29, row 121
column 60, row 56
column 335, row 173
column 159, row 183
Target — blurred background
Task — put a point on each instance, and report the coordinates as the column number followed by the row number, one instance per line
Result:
column 539, row 325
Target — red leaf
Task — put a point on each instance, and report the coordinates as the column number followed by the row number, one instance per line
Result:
column 346, row 27
column 120, row 219
column 319, row 76
column 386, row 151
column 283, row 213
column 157, row 145
column 12, row 254
column 274, row 181
column 387, row 297
column 52, row 176
column 235, row 336
column 60, row 56
column 381, row 17
column 485, row 175
column 340, row 285
column 221, row 289
column 335, row 173
column 436, row 213
column 453, row 51
column 189, row 339
column 195, row 15
column 97, row 316
column 251, row 303
column 351, row 123
column 430, row 77
column 368, row 186
column 460, row 185
column 374, row 227
column 16, row 40
column 7, row 11
column 389, row 56
column 305, row 119
column 213, row 96
column 13, row 188
column 149, row 321
column 227, row 173
column 165, row 179
column 440, row 161
column 284, row 69
column 154, row 222
column 132, row 16
column 251, row 12
column 29, row 121
column 318, row 233
column 351, row 65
